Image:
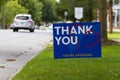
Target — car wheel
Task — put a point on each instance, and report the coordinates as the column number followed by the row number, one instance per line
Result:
column 15, row 30
column 32, row 30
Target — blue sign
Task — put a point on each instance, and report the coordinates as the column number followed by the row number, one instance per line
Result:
column 77, row 40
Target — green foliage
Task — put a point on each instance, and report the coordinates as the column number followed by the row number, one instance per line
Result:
column 89, row 7
column 44, row 67
column 34, row 7
column 11, row 8
column 49, row 10
column 2, row 2
column 116, row 1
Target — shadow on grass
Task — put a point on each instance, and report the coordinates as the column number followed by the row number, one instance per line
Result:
column 110, row 43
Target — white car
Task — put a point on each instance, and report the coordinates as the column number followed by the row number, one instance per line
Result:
column 23, row 21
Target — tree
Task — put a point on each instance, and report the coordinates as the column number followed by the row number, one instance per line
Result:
column 67, row 5
column 116, row 1
column 89, row 7
column 2, row 3
column 34, row 7
column 11, row 8
column 103, row 18
column 49, row 10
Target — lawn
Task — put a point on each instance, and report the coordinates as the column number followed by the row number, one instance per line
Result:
column 45, row 67
column 114, row 35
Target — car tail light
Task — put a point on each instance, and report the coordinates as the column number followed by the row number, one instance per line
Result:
column 15, row 22
column 29, row 21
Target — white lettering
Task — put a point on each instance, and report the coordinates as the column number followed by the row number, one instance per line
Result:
column 58, row 40
column 58, row 30
column 66, row 40
column 88, row 29
column 74, row 40
column 71, row 39
column 81, row 29
column 65, row 30
column 73, row 30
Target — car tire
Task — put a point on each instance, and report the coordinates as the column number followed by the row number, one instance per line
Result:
column 15, row 30
column 31, row 30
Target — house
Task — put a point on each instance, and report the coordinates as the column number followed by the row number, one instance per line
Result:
column 116, row 15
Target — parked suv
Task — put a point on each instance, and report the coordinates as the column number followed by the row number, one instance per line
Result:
column 23, row 21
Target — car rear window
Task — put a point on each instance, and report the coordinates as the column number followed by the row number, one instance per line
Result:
column 22, row 17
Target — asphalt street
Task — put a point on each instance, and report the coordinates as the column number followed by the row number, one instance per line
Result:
column 17, row 48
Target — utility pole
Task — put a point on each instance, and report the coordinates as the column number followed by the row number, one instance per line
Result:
column 65, row 14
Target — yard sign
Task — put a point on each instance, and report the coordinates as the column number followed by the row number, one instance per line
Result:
column 78, row 12
column 77, row 40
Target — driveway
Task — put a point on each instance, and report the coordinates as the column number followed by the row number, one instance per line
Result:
column 17, row 48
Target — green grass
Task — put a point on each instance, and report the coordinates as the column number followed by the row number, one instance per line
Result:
column 114, row 35
column 45, row 67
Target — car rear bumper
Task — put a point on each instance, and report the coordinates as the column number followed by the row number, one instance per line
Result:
column 22, row 28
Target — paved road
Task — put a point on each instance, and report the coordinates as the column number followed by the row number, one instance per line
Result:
column 17, row 48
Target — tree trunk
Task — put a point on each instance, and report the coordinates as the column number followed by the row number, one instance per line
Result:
column 103, row 18
column 111, row 17
column 2, row 21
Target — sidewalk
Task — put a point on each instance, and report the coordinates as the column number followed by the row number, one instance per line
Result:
column 114, row 30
